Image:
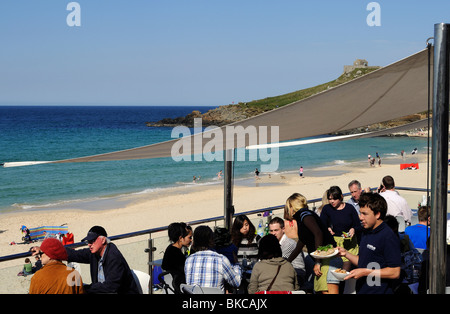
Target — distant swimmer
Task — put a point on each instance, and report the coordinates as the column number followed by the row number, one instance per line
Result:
column 256, row 173
column 219, row 174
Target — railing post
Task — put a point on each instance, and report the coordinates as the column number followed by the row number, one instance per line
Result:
column 150, row 251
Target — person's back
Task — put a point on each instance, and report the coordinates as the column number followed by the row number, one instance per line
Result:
column 207, row 268
column 418, row 234
column 265, row 271
column 56, row 278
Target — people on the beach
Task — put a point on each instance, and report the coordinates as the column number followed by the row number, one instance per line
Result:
column 300, row 172
column 312, row 233
column 276, row 227
column 397, row 206
column 273, row 272
column 379, row 260
column 110, row 272
column 219, row 174
column 342, row 222
column 208, row 268
column 37, row 264
column 55, row 277
column 420, row 232
column 256, row 173
column 27, row 268
column 180, row 236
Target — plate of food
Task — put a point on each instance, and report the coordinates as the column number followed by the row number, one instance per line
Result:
column 323, row 252
column 340, row 273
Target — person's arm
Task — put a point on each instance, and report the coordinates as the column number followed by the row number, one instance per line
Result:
column 384, row 273
column 351, row 257
column 298, row 249
column 232, row 273
column 312, row 225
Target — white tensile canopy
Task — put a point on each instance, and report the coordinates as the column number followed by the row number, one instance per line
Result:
column 394, row 91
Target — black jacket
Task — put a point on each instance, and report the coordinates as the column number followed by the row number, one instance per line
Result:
column 118, row 276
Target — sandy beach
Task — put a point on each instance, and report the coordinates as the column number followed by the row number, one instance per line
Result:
column 140, row 212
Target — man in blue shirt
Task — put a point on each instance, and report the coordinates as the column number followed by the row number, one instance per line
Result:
column 419, row 233
column 208, row 268
column 379, row 259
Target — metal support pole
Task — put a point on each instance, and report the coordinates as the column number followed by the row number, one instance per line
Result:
column 228, row 189
column 150, row 251
column 439, row 162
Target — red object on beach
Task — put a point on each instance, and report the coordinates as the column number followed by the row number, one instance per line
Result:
column 409, row 166
column 68, row 239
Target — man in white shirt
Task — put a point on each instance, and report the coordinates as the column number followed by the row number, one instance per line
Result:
column 397, row 205
column 276, row 227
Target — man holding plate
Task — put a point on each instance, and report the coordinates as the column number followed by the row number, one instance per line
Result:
column 379, row 259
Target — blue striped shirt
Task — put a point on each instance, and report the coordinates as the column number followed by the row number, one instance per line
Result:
column 211, row 269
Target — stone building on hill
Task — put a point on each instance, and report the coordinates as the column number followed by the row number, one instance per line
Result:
column 358, row 64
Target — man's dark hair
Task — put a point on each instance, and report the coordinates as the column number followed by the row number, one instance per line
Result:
column 203, row 239
column 375, row 202
column 388, row 182
column 277, row 220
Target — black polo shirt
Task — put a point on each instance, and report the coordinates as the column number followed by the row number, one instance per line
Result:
column 379, row 248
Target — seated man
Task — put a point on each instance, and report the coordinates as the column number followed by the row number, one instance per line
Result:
column 419, row 233
column 276, row 227
column 110, row 272
column 207, row 268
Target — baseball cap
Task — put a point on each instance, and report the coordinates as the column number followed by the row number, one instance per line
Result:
column 94, row 233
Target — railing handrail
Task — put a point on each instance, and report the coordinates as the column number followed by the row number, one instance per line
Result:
column 195, row 222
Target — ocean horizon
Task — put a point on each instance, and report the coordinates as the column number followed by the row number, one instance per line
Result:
column 44, row 133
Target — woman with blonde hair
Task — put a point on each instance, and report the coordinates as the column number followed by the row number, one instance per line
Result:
column 312, row 233
column 295, row 202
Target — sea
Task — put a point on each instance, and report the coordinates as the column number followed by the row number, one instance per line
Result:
column 45, row 133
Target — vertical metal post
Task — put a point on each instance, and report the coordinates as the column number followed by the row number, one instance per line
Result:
column 150, row 263
column 228, row 189
column 439, row 162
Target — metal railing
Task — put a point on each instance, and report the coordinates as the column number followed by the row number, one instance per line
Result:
column 150, row 249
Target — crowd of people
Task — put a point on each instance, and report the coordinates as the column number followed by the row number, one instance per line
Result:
column 375, row 245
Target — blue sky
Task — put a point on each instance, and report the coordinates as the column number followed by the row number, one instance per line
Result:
column 196, row 52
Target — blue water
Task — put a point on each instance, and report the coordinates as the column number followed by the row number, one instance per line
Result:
column 53, row 133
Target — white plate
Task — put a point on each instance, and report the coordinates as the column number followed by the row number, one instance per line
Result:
column 340, row 276
column 336, row 251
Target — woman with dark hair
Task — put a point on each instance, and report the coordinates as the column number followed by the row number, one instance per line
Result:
column 272, row 272
column 180, row 236
column 244, row 237
column 342, row 221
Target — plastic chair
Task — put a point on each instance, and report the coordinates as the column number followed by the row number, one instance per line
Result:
column 165, row 281
column 196, row 289
column 142, row 279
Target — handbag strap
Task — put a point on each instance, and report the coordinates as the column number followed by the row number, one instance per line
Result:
column 273, row 280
